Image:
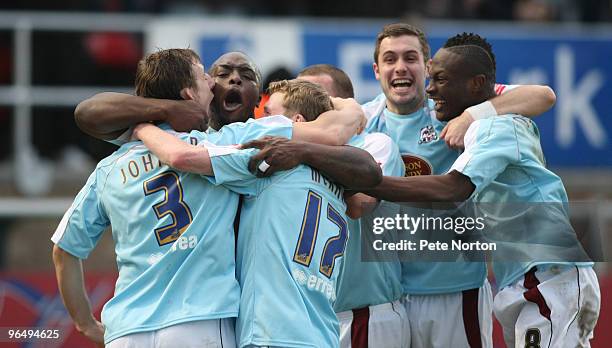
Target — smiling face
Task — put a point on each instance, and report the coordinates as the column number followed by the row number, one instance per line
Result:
column 449, row 85
column 400, row 68
column 236, row 88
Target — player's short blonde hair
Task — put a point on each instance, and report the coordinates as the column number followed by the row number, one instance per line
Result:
column 302, row 97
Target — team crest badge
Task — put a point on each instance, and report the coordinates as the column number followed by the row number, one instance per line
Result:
column 428, row 134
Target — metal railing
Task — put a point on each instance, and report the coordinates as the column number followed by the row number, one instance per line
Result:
column 23, row 96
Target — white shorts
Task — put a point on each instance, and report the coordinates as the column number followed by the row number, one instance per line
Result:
column 385, row 326
column 550, row 306
column 458, row 319
column 214, row 333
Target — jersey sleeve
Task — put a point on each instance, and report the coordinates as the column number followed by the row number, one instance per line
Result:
column 83, row 223
column 373, row 110
column 502, row 88
column 231, row 169
column 240, row 133
column 385, row 152
column 490, row 146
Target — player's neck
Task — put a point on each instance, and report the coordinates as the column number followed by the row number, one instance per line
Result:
column 214, row 121
column 408, row 108
column 485, row 95
column 490, row 94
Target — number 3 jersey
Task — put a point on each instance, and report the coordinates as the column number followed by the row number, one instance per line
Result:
column 293, row 232
column 173, row 235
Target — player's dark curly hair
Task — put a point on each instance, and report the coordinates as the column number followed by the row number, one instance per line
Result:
column 477, row 52
column 465, row 39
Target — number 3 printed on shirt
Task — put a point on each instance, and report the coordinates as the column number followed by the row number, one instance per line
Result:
column 172, row 204
column 334, row 247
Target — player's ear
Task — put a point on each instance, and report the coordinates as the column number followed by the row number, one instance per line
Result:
column 187, row 93
column 376, row 72
column 477, row 83
column 428, row 68
column 299, row 118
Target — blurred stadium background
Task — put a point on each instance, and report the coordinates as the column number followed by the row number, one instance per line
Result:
column 55, row 54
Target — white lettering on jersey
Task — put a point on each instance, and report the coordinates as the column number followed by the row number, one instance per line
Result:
column 184, row 243
column 315, row 283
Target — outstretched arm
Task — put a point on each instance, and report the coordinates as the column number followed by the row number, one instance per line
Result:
column 346, row 165
column 69, row 273
column 528, row 100
column 173, row 151
column 451, row 187
column 106, row 115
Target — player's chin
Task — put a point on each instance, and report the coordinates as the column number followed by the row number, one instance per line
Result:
column 239, row 115
column 441, row 116
column 405, row 98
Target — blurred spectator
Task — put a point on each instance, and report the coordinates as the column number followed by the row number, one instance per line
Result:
column 534, row 10
column 121, row 50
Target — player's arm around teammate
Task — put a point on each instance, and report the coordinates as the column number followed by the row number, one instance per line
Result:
column 336, row 162
column 237, row 82
column 107, row 115
column 451, row 187
column 334, row 127
column 528, row 100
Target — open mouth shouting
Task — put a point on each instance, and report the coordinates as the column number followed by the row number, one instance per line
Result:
column 402, row 85
column 232, row 100
column 230, row 104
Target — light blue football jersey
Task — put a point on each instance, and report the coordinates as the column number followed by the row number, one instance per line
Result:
column 173, row 235
column 424, row 153
column 242, row 132
column 292, row 237
column 379, row 282
column 504, row 160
